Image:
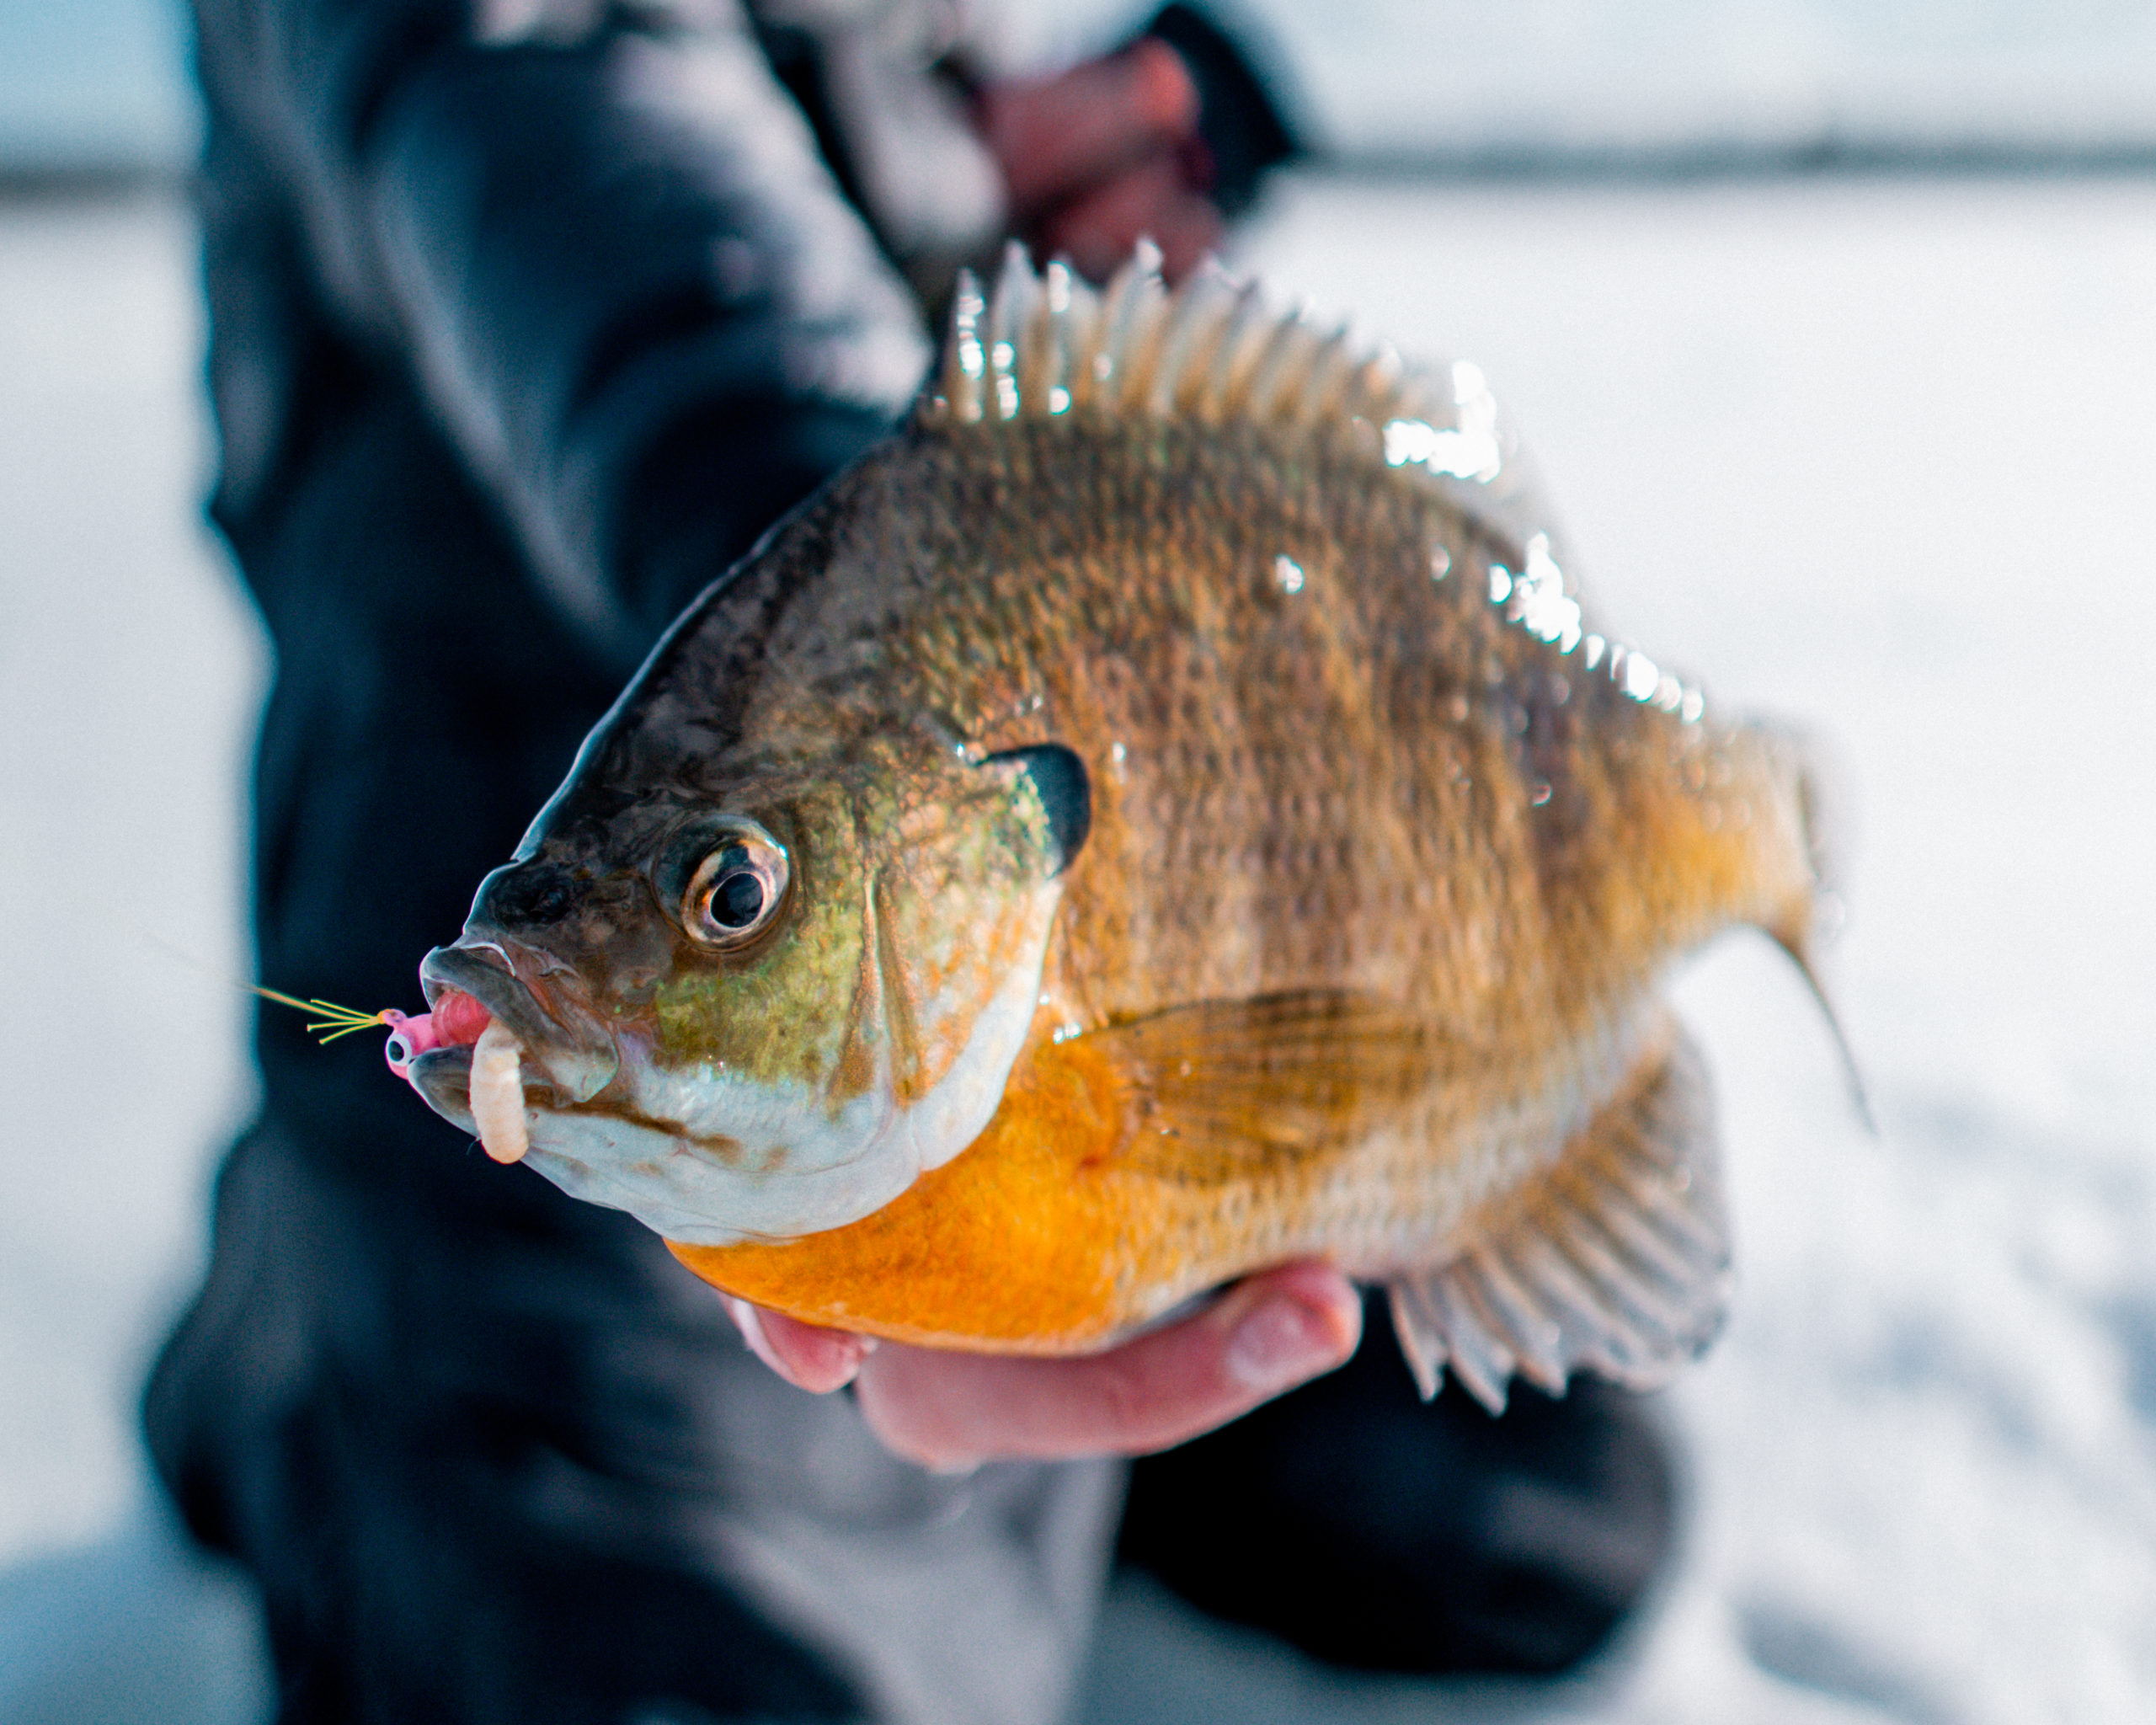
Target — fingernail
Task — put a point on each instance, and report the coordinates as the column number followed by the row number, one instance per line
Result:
column 1280, row 1343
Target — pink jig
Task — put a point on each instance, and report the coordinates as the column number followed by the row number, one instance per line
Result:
column 408, row 1038
column 457, row 1018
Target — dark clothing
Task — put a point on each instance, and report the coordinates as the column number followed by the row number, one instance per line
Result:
column 1396, row 1536
column 570, row 329
column 464, row 1500
column 521, row 332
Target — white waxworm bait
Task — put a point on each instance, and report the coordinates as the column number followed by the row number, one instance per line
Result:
column 498, row 1094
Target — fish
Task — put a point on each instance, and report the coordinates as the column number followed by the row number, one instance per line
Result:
column 1165, row 812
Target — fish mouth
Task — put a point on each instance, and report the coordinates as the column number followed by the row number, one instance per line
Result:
column 567, row 1057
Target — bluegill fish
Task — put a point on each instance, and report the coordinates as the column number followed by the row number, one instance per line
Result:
column 1164, row 813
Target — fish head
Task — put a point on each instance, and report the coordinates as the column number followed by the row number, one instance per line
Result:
column 758, row 999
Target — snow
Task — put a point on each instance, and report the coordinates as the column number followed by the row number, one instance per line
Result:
column 1873, row 456
column 1700, row 82
column 1465, row 78
column 102, row 82
column 129, row 666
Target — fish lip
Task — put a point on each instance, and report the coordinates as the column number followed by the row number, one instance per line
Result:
column 443, row 1078
column 566, row 1051
column 494, row 984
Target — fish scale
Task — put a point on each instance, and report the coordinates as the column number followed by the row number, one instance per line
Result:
column 1180, row 818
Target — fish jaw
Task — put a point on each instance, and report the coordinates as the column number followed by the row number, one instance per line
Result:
column 528, row 1058
column 708, row 1158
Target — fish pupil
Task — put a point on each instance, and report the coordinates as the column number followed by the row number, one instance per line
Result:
column 737, row 899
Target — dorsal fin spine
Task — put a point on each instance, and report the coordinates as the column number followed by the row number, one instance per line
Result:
column 1042, row 351
column 1004, row 336
column 1331, row 379
column 1077, row 315
column 1118, row 303
column 1292, row 340
column 1190, row 347
column 1242, row 350
column 1194, row 382
column 964, row 361
column 1021, row 353
column 1139, row 333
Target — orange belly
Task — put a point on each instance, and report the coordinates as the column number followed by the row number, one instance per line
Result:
column 1022, row 1243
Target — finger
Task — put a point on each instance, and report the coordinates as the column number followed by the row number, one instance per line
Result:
column 816, row 1359
column 1059, row 135
column 1153, row 200
column 951, row 1410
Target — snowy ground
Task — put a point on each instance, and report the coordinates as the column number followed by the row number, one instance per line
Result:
column 1697, row 83
column 1872, row 454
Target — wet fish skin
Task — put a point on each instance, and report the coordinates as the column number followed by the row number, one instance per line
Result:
column 1383, row 859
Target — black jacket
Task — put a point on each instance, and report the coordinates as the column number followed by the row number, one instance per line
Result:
column 514, row 346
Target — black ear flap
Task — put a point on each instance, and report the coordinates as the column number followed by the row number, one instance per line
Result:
column 1066, row 794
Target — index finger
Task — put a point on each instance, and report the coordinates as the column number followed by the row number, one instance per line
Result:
column 1267, row 1335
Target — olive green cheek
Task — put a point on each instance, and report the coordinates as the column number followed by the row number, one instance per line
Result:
column 784, row 1018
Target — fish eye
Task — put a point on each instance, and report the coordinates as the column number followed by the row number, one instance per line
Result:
column 736, row 889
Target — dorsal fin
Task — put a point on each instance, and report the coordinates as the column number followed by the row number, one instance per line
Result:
column 1215, row 352
column 1047, row 346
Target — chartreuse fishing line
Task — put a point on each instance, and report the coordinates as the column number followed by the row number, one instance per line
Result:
column 332, row 1020
column 328, row 1020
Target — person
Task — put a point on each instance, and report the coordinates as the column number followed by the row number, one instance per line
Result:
column 527, row 318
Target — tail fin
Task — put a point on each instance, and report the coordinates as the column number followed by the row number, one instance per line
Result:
column 1822, row 782
column 1798, row 945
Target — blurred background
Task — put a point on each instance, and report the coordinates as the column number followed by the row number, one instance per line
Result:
column 1833, row 325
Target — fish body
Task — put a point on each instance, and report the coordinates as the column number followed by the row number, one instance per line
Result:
column 1165, row 813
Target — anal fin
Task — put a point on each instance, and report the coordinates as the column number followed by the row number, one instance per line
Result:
column 1614, row 1258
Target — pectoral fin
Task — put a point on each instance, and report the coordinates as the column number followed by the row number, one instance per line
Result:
column 1616, row 1257
column 1222, row 1088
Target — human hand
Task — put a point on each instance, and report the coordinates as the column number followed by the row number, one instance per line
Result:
column 953, row 1411
column 1103, row 155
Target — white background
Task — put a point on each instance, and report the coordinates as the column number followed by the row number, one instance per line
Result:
column 1585, row 80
